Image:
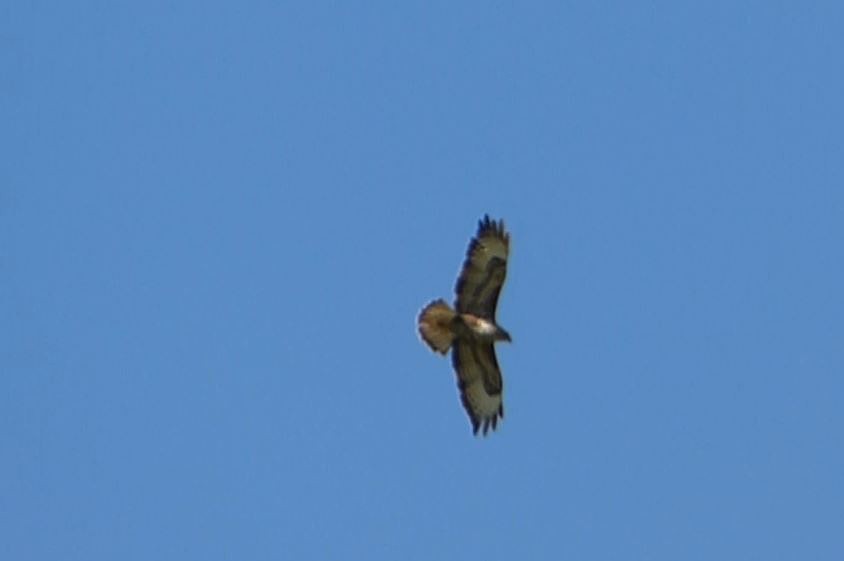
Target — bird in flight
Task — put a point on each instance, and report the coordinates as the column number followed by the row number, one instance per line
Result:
column 470, row 329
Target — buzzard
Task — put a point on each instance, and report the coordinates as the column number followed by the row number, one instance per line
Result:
column 470, row 330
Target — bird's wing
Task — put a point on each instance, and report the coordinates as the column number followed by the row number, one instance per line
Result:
column 480, row 383
column 484, row 270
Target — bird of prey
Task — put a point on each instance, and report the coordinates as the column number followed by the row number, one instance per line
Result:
column 470, row 329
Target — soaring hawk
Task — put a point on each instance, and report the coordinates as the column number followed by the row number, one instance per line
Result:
column 470, row 329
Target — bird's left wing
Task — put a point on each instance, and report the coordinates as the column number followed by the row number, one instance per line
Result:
column 484, row 270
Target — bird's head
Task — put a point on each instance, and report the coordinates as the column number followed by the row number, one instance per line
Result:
column 502, row 335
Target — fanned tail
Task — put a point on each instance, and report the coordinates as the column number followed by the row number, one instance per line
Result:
column 435, row 322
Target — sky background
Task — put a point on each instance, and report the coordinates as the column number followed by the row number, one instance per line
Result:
column 218, row 222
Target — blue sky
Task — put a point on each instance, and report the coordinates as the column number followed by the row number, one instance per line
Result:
column 218, row 223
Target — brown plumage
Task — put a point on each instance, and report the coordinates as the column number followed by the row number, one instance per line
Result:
column 470, row 330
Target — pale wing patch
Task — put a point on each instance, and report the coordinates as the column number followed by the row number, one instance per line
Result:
column 486, row 409
column 493, row 245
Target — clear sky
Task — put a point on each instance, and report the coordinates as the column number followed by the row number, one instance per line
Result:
column 219, row 221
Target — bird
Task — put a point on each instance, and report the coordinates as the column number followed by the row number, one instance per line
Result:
column 470, row 330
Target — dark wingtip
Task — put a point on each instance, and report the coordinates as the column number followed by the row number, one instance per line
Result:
column 481, row 427
column 490, row 224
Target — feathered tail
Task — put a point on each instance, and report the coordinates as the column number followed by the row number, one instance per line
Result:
column 435, row 322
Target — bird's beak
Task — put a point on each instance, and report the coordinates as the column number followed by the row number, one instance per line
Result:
column 504, row 336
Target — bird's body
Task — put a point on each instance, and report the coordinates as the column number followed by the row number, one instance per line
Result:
column 470, row 330
column 479, row 329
